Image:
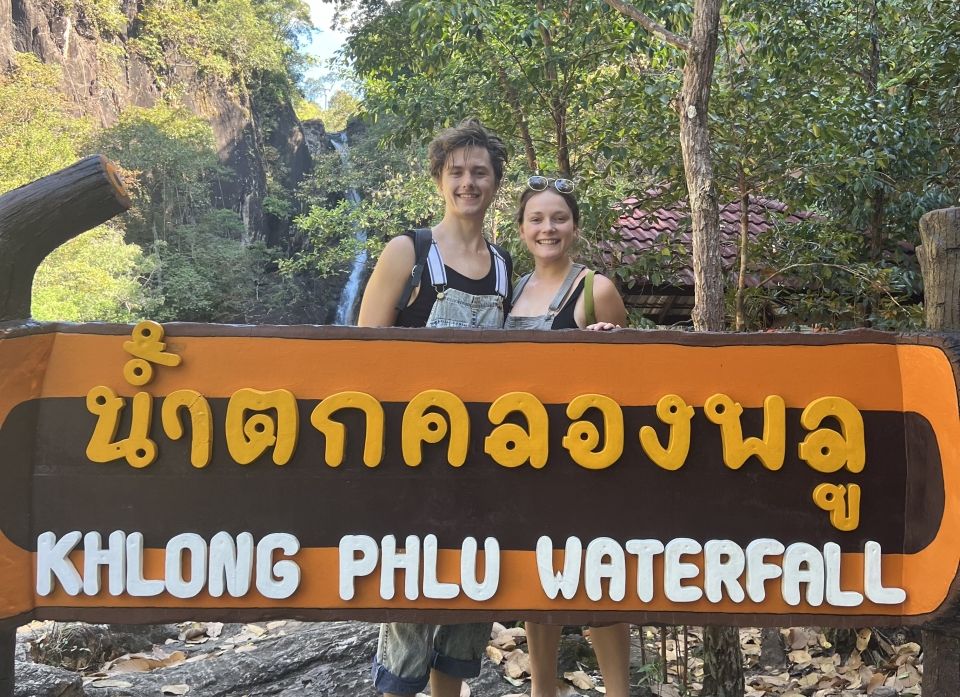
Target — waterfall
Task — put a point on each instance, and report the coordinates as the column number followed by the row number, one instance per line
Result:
column 346, row 308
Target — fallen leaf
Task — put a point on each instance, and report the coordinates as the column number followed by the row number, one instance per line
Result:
column 580, row 679
column 214, row 629
column 245, row 648
column 255, row 629
column 875, row 682
column 174, row 689
column 276, row 624
column 517, row 664
column 495, row 654
column 496, row 629
column 863, row 639
column 142, row 663
column 464, row 689
column 797, row 638
column 513, row 681
column 111, row 683
column 193, row 631
column 800, row 656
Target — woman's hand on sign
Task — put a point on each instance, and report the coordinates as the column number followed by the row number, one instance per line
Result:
column 602, row 327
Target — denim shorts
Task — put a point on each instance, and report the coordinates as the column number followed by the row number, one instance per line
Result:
column 407, row 652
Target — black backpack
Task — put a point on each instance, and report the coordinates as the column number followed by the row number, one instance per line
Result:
column 422, row 239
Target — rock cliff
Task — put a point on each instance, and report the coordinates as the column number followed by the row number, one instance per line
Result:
column 103, row 76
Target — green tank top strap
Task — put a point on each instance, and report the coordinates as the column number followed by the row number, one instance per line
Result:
column 588, row 308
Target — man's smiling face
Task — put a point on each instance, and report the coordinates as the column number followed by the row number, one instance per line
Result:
column 467, row 182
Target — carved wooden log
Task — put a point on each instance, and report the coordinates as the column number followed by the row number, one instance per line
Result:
column 38, row 217
column 939, row 256
column 8, row 645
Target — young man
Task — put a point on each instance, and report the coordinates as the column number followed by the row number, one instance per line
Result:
column 466, row 282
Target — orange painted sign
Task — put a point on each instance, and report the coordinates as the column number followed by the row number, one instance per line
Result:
column 149, row 473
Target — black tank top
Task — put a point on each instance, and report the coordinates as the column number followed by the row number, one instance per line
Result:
column 417, row 313
column 564, row 319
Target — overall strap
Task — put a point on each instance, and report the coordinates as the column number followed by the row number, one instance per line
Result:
column 520, row 285
column 438, row 272
column 564, row 288
column 501, row 270
column 422, row 237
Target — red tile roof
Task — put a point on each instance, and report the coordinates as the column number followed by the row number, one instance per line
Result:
column 643, row 231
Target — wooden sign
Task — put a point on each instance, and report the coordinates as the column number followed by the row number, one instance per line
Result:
column 201, row 471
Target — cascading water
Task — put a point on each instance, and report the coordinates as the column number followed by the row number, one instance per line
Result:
column 348, row 299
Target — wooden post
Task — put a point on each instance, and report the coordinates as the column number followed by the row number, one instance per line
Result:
column 38, row 217
column 939, row 256
column 8, row 645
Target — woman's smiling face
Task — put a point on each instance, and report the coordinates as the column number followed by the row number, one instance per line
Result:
column 548, row 228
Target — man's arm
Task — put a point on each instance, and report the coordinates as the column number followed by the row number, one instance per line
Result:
column 378, row 308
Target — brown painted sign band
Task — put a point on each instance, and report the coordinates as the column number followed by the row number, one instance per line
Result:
column 669, row 525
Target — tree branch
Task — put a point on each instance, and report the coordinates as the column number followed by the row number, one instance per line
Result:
column 650, row 25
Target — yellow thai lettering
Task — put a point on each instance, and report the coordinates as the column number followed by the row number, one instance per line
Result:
column 583, row 437
column 137, row 448
column 201, row 423
column 336, row 433
column 249, row 437
column 146, row 346
column 511, row 445
column 827, row 450
column 423, row 423
column 671, row 410
column 723, row 411
column 842, row 502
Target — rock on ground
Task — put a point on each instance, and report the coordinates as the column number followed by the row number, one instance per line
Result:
column 297, row 659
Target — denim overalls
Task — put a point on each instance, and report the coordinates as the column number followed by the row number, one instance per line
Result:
column 455, row 308
column 543, row 321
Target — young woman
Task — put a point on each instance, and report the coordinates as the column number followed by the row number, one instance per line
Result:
column 554, row 295
column 561, row 294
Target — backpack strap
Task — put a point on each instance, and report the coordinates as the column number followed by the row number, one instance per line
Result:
column 422, row 238
column 588, row 308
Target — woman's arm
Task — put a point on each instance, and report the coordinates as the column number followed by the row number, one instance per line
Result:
column 378, row 308
column 607, row 305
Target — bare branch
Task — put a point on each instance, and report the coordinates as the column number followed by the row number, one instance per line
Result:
column 650, row 25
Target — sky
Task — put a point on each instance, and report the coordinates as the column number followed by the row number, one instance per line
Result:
column 325, row 40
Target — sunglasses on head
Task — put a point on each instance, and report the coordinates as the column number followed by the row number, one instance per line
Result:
column 538, row 183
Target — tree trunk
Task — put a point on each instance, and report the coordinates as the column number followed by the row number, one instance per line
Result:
column 38, row 217
column 698, row 167
column 939, row 256
column 8, row 645
column 722, row 662
column 514, row 101
column 558, row 107
column 744, row 239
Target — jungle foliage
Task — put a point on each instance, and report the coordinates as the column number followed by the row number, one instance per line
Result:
column 845, row 109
